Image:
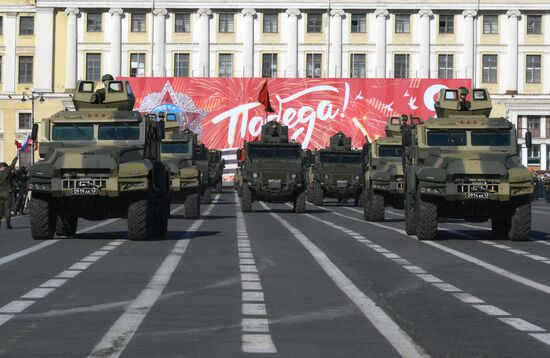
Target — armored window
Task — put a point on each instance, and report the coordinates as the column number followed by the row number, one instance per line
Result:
column 175, row 147
column 532, row 69
column 387, row 151
column 446, row 24
column 93, row 66
column 489, row 69
column 26, row 25
column 402, row 23
column 358, row 65
column 533, row 125
column 271, row 23
column 499, row 138
column 490, row 24
column 86, row 87
column 118, row 131
column 446, row 138
column 269, row 65
column 445, row 66
column 24, row 121
column 534, row 24
column 115, row 87
column 226, row 22
column 401, row 66
column 25, row 69
column 93, row 22
column 137, row 65
column 313, row 65
column 1, row 25
column 183, row 22
column 73, row 132
column 533, row 155
column 225, row 65
column 358, row 23
column 314, row 23
column 138, row 22
column 181, row 65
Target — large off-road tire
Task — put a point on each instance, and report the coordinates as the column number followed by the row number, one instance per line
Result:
column 246, row 199
column 309, row 194
column 192, row 206
column 42, row 219
column 318, row 195
column 239, row 190
column 377, row 211
column 66, row 226
column 300, row 203
column 160, row 218
column 520, row 223
column 207, row 196
column 500, row 226
column 426, row 226
column 366, row 205
column 359, row 199
column 410, row 214
column 140, row 220
column 219, row 187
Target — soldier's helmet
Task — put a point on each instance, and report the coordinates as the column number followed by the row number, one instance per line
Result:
column 107, row 77
column 463, row 91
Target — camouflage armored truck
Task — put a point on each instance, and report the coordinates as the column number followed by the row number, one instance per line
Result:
column 465, row 165
column 216, row 164
column 272, row 170
column 335, row 172
column 178, row 148
column 383, row 179
column 205, row 180
column 100, row 161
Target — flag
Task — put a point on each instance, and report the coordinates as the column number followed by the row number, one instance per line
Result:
column 263, row 98
column 17, row 144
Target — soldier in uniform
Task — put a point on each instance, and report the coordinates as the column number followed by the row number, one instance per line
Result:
column 99, row 92
column 5, row 192
column 464, row 104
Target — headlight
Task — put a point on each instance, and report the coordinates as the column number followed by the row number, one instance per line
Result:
column 356, row 177
column 255, row 175
column 293, row 176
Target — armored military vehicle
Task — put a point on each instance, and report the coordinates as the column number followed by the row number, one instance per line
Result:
column 465, row 164
column 335, row 172
column 178, row 148
column 100, row 161
column 272, row 169
column 383, row 180
column 216, row 164
column 205, row 180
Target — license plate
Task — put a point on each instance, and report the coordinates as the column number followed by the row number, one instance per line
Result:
column 477, row 195
column 274, row 183
column 85, row 191
column 341, row 183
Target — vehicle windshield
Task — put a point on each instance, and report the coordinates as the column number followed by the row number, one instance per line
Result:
column 119, row 131
column 201, row 155
column 492, row 137
column 344, row 158
column 446, row 138
column 73, row 132
column 273, row 152
column 175, row 147
column 390, row 151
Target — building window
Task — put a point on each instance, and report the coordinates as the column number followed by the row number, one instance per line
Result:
column 225, row 65
column 534, row 24
column 181, row 65
column 490, row 24
column 489, row 69
column 26, row 25
column 401, row 66
column 271, row 23
column 138, row 22
column 93, row 66
column 358, row 65
column 533, row 155
column 0, row 69
column 183, row 22
column 313, row 65
column 532, row 71
column 314, row 22
column 358, row 23
column 533, row 126
column 137, row 65
column 93, row 22
column 402, row 23
column 269, row 65
column 446, row 24
column 226, row 22
column 25, row 69
column 445, row 66
column 1, row 25
column 24, row 122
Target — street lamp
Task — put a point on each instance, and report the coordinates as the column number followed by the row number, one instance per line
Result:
column 32, row 97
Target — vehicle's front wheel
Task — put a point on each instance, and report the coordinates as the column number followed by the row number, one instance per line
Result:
column 410, row 214
column 192, row 206
column 300, row 203
column 377, row 203
column 246, row 199
column 140, row 220
column 426, row 226
column 318, row 194
column 520, row 225
column 42, row 218
column 66, row 226
column 219, row 186
column 207, row 196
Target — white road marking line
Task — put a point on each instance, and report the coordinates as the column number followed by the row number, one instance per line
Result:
column 519, row 252
column 467, row 298
column 68, row 274
column 429, row 278
column 38, row 292
column 81, row 266
column 246, row 255
column 543, row 242
column 247, row 262
column 491, row 310
column 244, row 249
column 108, row 248
column 537, row 257
column 258, row 343
column 5, row 318
column 248, row 268
column 91, row 258
column 54, row 283
column 12, row 257
column 99, row 253
column 255, row 325
column 414, row 269
column 252, row 296
column 250, row 277
column 251, row 285
column 16, row 306
column 447, row 287
column 543, row 337
column 522, row 325
column 122, row 331
column 254, row 309
column 398, row 338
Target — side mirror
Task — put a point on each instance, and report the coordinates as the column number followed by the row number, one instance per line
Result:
column 528, row 139
column 239, row 154
column 34, row 133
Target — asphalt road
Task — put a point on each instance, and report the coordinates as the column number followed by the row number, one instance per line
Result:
column 271, row 282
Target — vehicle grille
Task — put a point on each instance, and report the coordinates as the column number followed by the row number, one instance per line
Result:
column 476, row 185
column 84, row 183
column 94, row 178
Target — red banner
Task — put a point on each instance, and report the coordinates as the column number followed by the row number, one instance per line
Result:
column 226, row 111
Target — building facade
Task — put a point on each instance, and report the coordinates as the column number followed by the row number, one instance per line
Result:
column 47, row 45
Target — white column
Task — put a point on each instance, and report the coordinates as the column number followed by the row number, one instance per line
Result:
column 44, row 49
column 469, row 43
column 335, row 69
column 9, row 77
column 248, row 42
column 425, row 15
column 524, row 154
column 70, row 75
column 159, row 47
column 116, row 41
column 381, row 15
column 292, row 43
column 543, row 156
column 512, row 56
column 204, row 42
